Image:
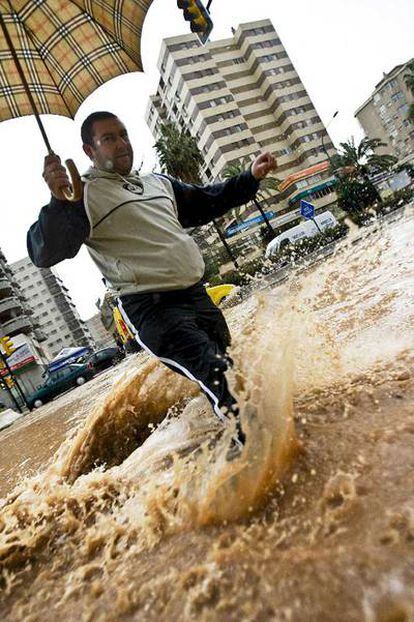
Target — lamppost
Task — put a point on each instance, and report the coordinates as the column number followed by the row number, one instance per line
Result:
column 269, row 227
column 323, row 136
column 226, row 245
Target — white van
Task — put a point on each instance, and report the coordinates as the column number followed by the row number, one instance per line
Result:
column 306, row 229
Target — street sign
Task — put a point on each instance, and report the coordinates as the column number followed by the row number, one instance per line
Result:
column 307, row 210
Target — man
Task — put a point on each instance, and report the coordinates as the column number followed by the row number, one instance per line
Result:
column 134, row 229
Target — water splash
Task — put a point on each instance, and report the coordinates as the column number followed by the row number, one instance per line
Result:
column 329, row 335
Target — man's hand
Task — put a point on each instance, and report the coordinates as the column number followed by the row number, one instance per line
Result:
column 262, row 165
column 55, row 175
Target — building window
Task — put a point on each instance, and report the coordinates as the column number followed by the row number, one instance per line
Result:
column 273, row 72
column 403, row 110
column 216, row 86
column 186, row 45
column 261, row 45
column 397, row 96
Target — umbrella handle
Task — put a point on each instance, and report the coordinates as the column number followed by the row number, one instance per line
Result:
column 74, row 191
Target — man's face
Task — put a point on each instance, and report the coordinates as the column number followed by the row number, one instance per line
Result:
column 111, row 150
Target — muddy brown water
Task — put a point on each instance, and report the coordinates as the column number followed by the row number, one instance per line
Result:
column 111, row 512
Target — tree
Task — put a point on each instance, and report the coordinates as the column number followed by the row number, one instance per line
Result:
column 268, row 186
column 354, row 166
column 180, row 157
column 409, row 81
column 178, row 154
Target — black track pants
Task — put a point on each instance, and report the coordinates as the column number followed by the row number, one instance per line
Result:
column 188, row 333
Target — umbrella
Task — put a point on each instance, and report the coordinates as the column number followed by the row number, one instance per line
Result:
column 54, row 53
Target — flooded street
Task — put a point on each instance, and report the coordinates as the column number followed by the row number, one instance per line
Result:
column 113, row 512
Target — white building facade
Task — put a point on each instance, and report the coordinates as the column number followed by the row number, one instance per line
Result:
column 385, row 115
column 53, row 309
column 239, row 97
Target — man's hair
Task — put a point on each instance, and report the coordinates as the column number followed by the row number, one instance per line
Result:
column 87, row 125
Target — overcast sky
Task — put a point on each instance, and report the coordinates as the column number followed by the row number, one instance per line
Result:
column 340, row 49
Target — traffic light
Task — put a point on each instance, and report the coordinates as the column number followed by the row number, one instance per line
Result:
column 196, row 13
column 7, row 345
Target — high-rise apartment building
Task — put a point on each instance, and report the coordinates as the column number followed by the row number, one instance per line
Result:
column 52, row 307
column 385, row 115
column 241, row 96
column 14, row 314
column 17, row 322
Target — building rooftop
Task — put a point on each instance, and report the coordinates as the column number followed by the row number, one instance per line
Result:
column 385, row 78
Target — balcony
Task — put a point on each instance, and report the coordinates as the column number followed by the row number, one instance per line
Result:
column 40, row 335
column 6, row 271
column 5, row 285
column 16, row 325
column 10, row 303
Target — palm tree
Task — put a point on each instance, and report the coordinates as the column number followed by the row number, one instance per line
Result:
column 268, row 186
column 409, row 81
column 178, row 153
column 180, row 157
column 362, row 159
column 354, row 166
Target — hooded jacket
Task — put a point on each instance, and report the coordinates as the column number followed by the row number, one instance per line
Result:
column 134, row 227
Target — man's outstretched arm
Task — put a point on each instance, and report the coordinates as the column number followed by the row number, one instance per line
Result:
column 62, row 227
column 58, row 234
column 198, row 205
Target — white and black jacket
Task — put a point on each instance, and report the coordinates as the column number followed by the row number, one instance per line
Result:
column 134, row 227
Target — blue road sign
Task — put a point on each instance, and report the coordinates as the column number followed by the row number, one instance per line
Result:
column 307, row 210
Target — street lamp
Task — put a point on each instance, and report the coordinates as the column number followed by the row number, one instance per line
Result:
column 226, row 245
column 323, row 136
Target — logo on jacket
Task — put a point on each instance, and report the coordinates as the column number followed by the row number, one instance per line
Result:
column 136, row 188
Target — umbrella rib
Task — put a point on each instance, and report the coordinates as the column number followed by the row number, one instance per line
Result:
column 111, row 36
column 24, row 83
column 30, row 36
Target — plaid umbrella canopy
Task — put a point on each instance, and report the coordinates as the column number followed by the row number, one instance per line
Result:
column 54, row 53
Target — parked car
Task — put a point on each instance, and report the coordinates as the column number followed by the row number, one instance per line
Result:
column 306, row 229
column 60, row 381
column 102, row 359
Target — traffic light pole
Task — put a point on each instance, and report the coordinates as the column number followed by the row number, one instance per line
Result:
column 13, row 377
column 3, row 383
